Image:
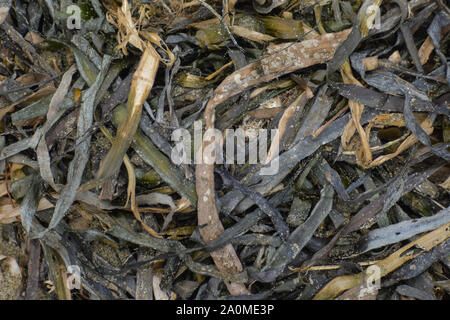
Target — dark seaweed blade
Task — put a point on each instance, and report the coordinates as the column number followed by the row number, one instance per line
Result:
column 30, row 202
column 440, row 21
column 262, row 203
column 386, row 102
column 402, row 230
column 409, row 40
column 414, row 292
column 300, row 237
column 316, row 114
column 345, row 50
column 333, row 177
column 402, row 185
column 415, row 128
column 244, row 224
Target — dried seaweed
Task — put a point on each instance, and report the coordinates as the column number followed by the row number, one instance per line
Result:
column 340, row 111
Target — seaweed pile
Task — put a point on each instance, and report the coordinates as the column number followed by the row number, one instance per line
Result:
column 105, row 195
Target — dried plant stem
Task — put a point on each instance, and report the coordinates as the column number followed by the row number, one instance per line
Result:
column 218, row 71
column 356, row 109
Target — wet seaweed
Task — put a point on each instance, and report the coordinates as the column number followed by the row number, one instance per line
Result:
column 270, row 150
